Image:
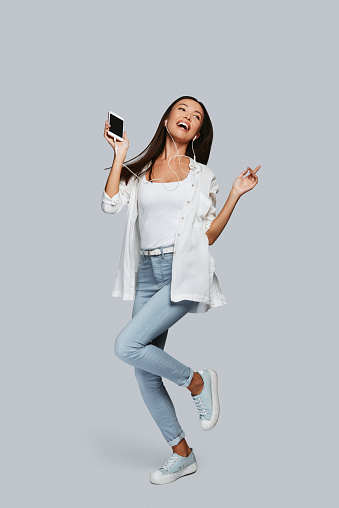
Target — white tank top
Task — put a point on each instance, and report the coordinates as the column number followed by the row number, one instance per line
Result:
column 159, row 211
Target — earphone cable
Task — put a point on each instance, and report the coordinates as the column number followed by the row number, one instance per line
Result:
column 153, row 179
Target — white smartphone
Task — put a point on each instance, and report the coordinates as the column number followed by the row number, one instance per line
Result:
column 116, row 129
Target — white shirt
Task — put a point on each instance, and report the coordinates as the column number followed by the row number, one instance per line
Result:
column 194, row 274
column 159, row 209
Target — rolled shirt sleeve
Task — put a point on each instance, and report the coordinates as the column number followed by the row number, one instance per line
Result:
column 211, row 214
column 118, row 201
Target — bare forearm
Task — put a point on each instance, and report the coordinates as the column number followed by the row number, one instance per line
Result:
column 113, row 180
column 222, row 219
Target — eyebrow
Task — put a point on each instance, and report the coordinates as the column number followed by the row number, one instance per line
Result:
column 196, row 111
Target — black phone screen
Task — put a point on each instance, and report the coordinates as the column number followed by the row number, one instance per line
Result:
column 116, row 125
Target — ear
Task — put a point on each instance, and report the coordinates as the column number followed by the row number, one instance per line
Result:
column 197, row 135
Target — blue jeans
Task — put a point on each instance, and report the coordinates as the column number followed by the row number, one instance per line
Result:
column 141, row 342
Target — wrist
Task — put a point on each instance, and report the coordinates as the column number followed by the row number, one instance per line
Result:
column 119, row 157
column 234, row 194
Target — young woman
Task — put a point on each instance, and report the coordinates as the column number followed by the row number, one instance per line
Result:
column 165, row 265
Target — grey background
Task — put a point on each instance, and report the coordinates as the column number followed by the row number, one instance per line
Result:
column 74, row 429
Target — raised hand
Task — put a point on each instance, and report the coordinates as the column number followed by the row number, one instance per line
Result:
column 244, row 183
column 118, row 146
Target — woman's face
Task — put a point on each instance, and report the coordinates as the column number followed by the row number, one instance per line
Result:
column 185, row 120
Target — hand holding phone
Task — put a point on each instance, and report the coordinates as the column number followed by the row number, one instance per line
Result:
column 115, row 134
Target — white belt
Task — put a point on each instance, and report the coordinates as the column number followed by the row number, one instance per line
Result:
column 156, row 252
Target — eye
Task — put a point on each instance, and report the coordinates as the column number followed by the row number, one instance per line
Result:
column 196, row 116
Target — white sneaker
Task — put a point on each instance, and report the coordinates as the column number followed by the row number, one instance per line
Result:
column 207, row 401
column 175, row 467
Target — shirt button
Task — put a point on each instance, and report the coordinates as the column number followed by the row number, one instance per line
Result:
column 187, row 201
column 182, row 217
column 192, row 184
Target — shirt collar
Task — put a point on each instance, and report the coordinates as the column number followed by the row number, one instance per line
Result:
column 195, row 166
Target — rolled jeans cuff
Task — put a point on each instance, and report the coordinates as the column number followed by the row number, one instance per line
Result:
column 188, row 382
column 177, row 439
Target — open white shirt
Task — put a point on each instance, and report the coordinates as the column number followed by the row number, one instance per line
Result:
column 194, row 274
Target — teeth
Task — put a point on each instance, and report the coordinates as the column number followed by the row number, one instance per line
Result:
column 183, row 124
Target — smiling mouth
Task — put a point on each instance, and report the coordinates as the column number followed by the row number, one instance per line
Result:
column 183, row 126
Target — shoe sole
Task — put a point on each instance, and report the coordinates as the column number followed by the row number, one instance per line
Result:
column 209, row 424
column 169, row 478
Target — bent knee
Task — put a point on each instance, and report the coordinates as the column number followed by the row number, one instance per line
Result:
column 120, row 348
column 124, row 348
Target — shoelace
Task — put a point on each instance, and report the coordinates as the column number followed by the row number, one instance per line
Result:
column 201, row 407
column 169, row 462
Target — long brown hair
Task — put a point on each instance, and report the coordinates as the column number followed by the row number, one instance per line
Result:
column 202, row 145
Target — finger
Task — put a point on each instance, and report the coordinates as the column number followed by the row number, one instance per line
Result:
column 257, row 169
